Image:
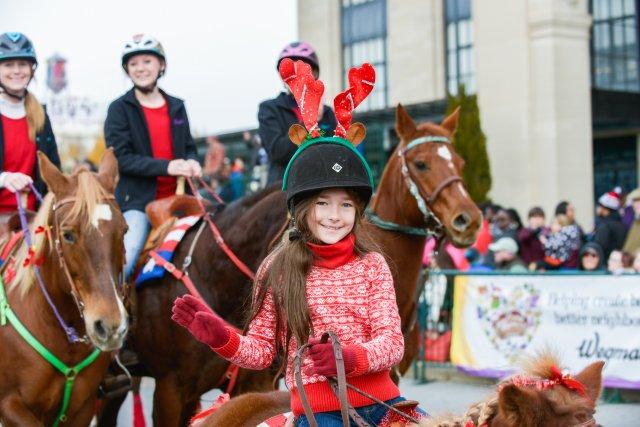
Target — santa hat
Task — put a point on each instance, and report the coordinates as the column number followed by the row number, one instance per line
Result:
column 611, row 199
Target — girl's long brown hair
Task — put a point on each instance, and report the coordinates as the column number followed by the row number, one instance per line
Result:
column 286, row 276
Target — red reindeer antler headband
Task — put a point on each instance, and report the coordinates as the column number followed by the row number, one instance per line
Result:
column 308, row 91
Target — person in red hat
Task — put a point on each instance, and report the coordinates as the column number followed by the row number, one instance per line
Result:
column 610, row 233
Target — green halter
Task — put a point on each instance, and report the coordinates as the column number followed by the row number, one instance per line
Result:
column 70, row 373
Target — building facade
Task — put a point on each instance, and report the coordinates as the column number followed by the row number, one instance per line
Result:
column 557, row 83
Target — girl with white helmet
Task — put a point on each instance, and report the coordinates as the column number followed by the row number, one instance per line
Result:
column 24, row 124
column 149, row 131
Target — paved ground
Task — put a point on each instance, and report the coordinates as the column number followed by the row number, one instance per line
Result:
column 435, row 397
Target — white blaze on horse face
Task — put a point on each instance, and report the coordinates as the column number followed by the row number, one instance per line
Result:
column 445, row 153
column 462, row 190
column 101, row 212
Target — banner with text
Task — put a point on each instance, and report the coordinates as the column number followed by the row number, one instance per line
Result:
column 583, row 317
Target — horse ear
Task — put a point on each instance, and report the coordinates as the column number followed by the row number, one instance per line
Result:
column 55, row 180
column 450, row 122
column 591, row 378
column 405, row 126
column 515, row 402
column 108, row 170
column 356, row 133
column 297, row 134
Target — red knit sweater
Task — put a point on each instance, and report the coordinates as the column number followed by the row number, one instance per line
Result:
column 355, row 300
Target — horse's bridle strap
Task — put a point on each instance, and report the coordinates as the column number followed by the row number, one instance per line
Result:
column 444, row 184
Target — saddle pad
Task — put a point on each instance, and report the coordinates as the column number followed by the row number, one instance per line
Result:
column 279, row 420
column 166, row 249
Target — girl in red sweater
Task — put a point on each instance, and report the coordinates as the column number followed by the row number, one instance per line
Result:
column 24, row 124
column 324, row 276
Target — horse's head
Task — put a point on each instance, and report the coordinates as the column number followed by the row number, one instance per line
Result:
column 429, row 163
column 87, row 231
column 535, row 403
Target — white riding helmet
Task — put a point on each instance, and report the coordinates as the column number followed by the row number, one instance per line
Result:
column 142, row 43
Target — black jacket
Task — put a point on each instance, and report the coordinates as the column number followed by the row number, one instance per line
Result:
column 45, row 142
column 275, row 116
column 610, row 234
column 125, row 129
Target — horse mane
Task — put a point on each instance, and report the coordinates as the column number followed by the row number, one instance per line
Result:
column 88, row 195
column 539, row 364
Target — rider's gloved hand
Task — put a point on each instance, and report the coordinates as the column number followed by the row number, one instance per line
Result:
column 196, row 169
column 15, row 181
column 194, row 315
column 324, row 361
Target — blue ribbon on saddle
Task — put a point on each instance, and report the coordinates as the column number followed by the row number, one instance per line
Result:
column 151, row 270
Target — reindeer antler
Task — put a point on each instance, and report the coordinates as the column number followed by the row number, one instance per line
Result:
column 306, row 90
column 361, row 81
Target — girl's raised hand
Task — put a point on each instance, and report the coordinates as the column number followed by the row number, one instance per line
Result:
column 206, row 326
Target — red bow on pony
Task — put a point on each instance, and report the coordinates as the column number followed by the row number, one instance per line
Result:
column 31, row 253
column 567, row 381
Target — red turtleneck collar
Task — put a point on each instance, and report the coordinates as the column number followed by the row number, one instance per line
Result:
column 335, row 255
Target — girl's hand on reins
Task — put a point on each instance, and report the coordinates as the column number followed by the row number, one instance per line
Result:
column 324, row 361
column 194, row 315
column 15, row 181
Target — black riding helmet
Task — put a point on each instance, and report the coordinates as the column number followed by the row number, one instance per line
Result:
column 326, row 162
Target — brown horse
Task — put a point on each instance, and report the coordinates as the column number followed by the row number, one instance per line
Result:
column 184, row 369
column 82, row 257
column 434, row 168
column 536, row 398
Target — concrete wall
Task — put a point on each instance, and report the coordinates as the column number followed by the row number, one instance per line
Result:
column 415, row 53
column 533, row 81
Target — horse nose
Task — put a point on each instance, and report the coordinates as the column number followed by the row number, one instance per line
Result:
column 461, row 222
column 103, row 330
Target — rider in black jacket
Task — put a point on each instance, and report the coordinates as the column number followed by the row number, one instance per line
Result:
column 275, row 116
column 149, row 132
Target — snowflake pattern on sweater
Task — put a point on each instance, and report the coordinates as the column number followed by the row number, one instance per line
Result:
column 356, row 301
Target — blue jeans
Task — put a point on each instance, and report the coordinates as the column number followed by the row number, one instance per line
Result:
column 373, row 414
column 134, row 238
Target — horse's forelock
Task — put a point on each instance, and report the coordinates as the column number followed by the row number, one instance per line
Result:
column 89, row 195
column 539, row 365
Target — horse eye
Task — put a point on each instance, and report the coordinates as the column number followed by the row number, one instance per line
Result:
column 68, row 237
column 420, row 165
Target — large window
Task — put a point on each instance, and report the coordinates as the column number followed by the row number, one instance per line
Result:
column 364, row 39
column 615, row 48
column 459, row 44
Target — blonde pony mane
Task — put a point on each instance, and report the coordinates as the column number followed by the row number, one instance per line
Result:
column 88, row 195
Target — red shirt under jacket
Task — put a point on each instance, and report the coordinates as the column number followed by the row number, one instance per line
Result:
column 159, row 125
column 19, row 156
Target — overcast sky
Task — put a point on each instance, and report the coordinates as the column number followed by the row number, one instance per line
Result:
column 220, row 54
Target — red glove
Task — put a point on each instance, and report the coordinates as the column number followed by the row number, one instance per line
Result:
column 194, row 315
column 324, row 361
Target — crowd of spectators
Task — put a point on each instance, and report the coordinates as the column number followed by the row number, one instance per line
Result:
column 558, row 243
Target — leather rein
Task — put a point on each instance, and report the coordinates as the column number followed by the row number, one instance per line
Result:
column 338, row 385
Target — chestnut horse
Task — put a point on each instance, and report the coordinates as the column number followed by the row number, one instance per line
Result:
column 537, row 398
column 421, row 191
column 77, row 237
column 184, row 369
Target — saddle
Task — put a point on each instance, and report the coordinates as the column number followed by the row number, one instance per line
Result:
column 163, row 210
